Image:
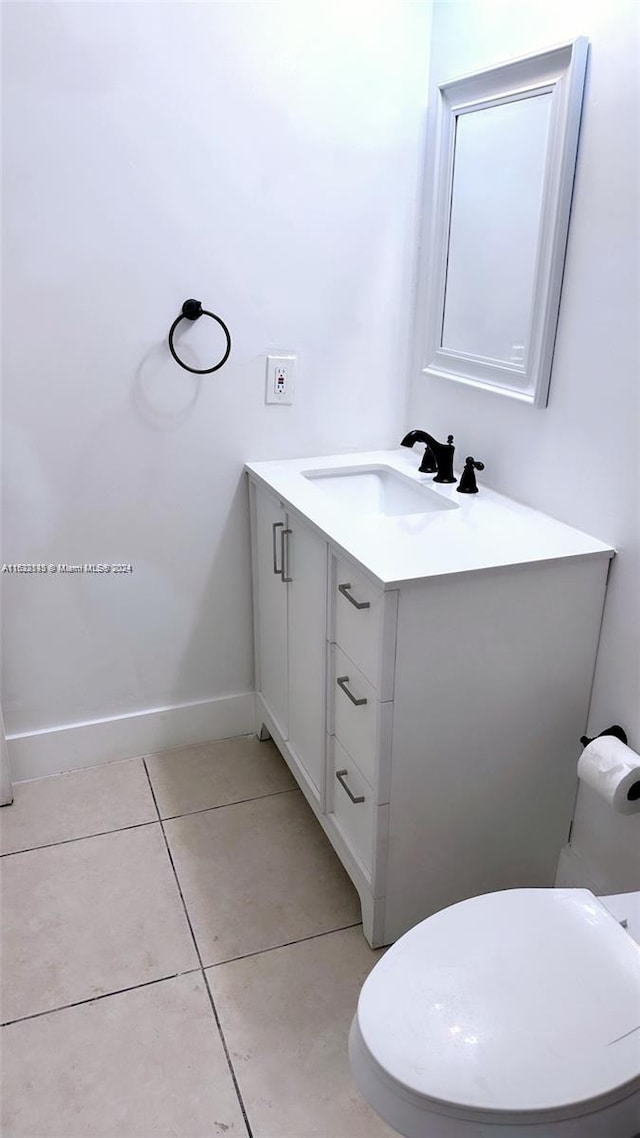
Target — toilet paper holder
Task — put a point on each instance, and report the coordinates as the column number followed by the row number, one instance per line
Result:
column 616, row 730
column 633, row 794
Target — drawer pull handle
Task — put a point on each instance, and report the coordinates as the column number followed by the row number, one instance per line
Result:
column 342, row 682
column 274, row 527
column 342, row 779
column 344, row 589
column 284, row 555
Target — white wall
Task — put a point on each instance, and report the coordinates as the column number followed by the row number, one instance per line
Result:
column 263, row 158
column 578, row 458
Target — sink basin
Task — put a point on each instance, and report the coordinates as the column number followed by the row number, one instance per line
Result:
column 377, row 490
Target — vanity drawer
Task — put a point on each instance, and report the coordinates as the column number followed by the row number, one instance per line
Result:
column 361, row 614
column 354, row 806
column 360, row 721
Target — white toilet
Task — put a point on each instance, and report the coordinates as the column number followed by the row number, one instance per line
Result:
column 510, row 1015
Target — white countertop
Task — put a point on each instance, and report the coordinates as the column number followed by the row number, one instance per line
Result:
column 485, row 531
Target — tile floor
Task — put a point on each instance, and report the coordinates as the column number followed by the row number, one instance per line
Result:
column 181, row 955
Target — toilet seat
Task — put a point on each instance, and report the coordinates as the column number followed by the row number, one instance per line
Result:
column 515, row 1007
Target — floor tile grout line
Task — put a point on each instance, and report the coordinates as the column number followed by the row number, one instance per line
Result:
column 227, row 1053
column 81, row 838
column 287, row 944
column 236, row 802
column 102, row 996
column 173, row 975
column 174, row 871
column 153, row 822
column 214, row 1010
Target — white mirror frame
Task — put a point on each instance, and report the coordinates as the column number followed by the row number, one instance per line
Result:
column 561, row 72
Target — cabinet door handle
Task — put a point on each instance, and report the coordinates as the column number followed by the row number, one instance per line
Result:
column 284, row 555
column 274, row 527
column 344, row 589
column 342, row 779
column 342, row 682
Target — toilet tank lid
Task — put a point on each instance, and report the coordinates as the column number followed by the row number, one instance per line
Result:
column 517, row 1003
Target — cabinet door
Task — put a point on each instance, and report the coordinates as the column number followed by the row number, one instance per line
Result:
column 271, row 616
column 306, row 566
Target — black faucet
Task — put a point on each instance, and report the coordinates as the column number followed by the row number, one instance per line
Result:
column 441, row 452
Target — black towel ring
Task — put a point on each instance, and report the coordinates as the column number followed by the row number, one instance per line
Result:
column 192, row 310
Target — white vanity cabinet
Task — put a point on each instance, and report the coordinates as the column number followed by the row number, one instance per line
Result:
column 270, row 604
column 290, row 585
column 433, row 723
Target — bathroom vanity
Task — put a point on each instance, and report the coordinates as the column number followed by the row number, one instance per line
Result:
column 424, row 663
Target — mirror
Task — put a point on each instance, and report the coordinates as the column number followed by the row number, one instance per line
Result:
column 494, row 228
column 505, row 145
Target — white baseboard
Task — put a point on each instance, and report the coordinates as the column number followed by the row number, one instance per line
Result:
column 75, row 745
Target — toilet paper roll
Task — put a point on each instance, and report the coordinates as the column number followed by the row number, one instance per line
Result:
column 613, row 770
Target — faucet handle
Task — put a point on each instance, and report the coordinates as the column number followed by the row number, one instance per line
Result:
column 468, row 483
